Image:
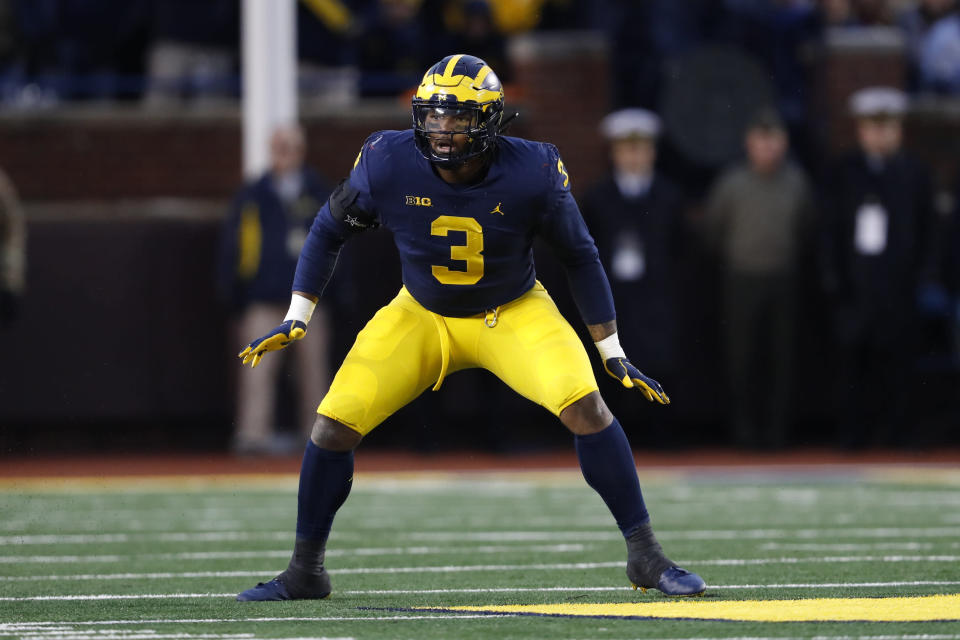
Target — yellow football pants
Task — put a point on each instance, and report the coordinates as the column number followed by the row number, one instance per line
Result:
column 405, row 349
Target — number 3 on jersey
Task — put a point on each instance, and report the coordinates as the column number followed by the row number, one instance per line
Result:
column 471, row 252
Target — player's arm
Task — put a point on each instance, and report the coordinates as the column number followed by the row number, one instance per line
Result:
column 342, row 216
column 616, row 364
column 563, row 227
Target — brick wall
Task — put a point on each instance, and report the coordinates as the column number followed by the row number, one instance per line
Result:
column 134, row 154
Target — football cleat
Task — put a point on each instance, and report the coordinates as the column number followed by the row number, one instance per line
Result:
column 678, row 582
column 649, row 568
column 265, row 591
column 280, row 588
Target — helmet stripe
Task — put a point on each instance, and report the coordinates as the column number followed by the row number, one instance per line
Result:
column 481, row 75
column 448, row 72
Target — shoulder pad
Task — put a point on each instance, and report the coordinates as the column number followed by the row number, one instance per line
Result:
column 344, row 207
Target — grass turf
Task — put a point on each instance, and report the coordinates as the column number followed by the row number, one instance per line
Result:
column 142, row 560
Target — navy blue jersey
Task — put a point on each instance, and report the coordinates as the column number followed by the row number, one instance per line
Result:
column 466, row 249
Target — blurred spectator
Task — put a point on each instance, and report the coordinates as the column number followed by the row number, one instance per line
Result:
column 468, row 27
column 393, row 48
column 837, row 13
column 781, row 36
column 518, row 16
column 636, row 217
column 932, row 29
column 758, row 215
column 878, row 215
column 194, row 50
column 13, row 248
column 872, row 13
column 647, row 37
column 326, row 48
column 855, row 13
column 262, row 238
column 80, row 49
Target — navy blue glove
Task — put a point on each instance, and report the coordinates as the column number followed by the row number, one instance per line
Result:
column 277, row 339
column 631, row 377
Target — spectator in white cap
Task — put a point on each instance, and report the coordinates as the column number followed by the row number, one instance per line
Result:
column 878, row 220
column 637, row 218
column 879, row 115
column 632, row 134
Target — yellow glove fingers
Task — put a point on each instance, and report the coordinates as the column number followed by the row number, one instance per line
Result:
column 644, row 389
column 278, row 339
column 627, row 382
column 650, row 394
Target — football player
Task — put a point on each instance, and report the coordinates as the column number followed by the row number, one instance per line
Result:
column 463, row 203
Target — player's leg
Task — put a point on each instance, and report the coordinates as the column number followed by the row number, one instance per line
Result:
column 606, row 461
column 536, row 352
column 395, row 357
column 326, row 476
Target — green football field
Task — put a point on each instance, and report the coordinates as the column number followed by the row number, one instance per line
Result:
column 437, row 555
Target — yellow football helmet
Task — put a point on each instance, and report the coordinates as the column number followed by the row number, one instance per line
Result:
column 464, row 94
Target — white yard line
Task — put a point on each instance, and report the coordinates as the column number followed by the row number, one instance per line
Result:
column 61, row 632
column 480, row 567
column 497, row 536
column 386, row 592
column 356, row 570
column 100, row 538
column 146, row 635
column 53, row 633
column 724, row 562
column 869, row 546
column 284, row 553
column 696, row 534
column 921, row 636
column 20, row 626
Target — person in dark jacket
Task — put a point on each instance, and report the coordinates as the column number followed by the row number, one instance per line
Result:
column 636, row 216
column 878, row 206
column 263, row 234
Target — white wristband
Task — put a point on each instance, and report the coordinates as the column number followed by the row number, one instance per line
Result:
column 300, row 309
column 610, row 347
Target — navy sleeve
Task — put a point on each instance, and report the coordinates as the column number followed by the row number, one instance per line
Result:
column 348, row 211
column 563, row 228
column 319, row 254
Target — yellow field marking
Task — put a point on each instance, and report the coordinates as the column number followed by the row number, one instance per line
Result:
column 922, row 608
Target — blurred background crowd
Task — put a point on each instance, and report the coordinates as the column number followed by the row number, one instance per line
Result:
column 771, row 183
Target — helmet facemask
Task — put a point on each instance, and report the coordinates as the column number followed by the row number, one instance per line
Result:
column 457, row 110
column 448, row 134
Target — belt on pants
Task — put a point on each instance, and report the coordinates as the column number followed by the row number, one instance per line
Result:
column 491, row 317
